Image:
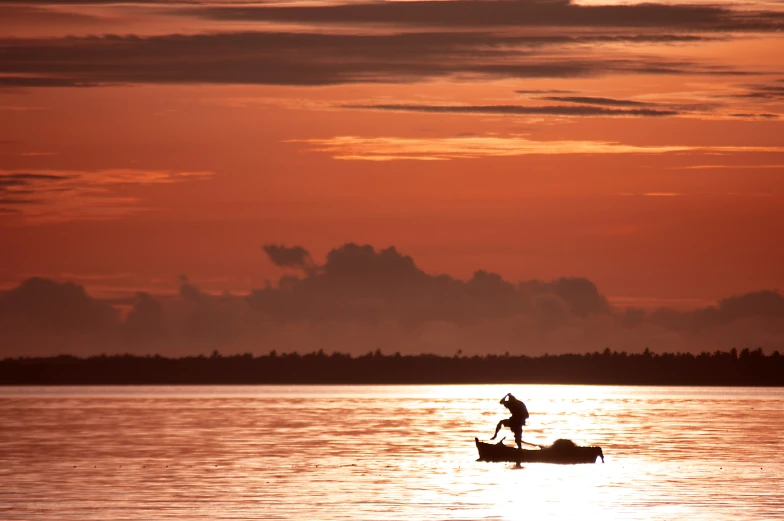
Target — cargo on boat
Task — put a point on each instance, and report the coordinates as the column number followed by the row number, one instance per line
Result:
column 562, row 451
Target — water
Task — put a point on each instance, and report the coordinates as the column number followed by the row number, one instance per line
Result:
column 385, row 452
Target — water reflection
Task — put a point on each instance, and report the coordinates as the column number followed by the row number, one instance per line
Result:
column 384, row 453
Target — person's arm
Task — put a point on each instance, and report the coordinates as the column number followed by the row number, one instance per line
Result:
column 503, row 400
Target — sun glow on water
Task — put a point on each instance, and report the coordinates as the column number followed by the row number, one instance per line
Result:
column 386, row 452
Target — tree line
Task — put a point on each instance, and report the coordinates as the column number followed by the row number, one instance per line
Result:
column 733, row 368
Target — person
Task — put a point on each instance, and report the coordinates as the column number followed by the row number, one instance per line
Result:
column 516, row 421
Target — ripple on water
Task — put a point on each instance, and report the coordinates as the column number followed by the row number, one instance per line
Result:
column 386, row 452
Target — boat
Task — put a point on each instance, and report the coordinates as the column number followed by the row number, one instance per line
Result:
column 561, row 451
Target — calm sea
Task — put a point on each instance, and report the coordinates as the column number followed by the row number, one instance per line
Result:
column 385, row 452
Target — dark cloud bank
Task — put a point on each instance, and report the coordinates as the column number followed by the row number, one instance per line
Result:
column 436, row 39
column 503, row 13
column 305, row 59
column 362, row 300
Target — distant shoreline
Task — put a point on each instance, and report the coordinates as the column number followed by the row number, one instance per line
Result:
column 747, row 368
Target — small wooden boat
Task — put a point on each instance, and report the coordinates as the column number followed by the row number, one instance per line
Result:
column 562, row 451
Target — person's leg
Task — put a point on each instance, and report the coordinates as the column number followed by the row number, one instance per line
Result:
column 518, row 432
column 502, row 423
column 516, row 426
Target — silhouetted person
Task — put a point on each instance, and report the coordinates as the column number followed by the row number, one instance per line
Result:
column 516, row 421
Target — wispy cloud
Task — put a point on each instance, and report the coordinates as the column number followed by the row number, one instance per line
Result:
column 553, row 110
column 591, row 100
column 20, row 108
column 747, row 115
column 772, row 91
column 63, row 195
column 544, row 91
column 392, row 148
column 741, row 167
column 399, row 148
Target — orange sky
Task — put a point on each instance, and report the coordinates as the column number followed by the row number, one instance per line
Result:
column 141, row 142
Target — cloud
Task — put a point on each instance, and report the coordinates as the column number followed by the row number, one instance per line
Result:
column 15, row 13
column 294, row 257
column 70, row 195
column 762, row 309
column 747, row 115
column 545, row 91
column 504, row 13
column 467, row 147
column 360, row 282
column 311, row 59
column 581, row 295
column 589, row 100
column 364, row 299
column 15, row 3
column 756, row 101
column 772, row 91
column 550, row 110
column 760, row 303
column 189, row 291
column 368, row 270
column 36, row 81
column 160, row 3
column 723, row 166
column 19, row 108
column 52, row 306
column 674, row 106
column 206, row 321
column 148, row 320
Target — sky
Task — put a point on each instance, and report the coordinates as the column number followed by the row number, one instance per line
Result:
column 151, row 146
